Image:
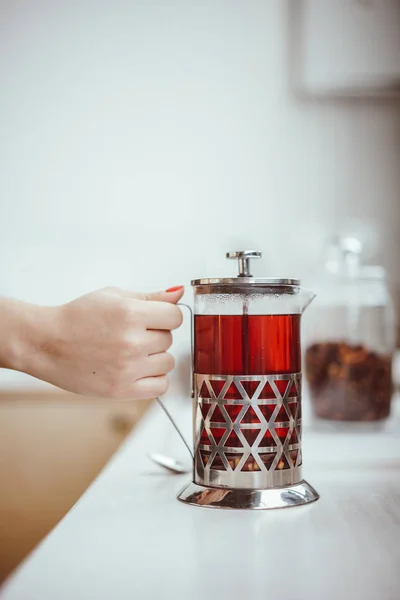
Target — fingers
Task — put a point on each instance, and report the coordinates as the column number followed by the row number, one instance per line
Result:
column 149, row 387
column 158, row 310
column 172, row 296
column 162, row 315
column 157, row 341
column 158, row 364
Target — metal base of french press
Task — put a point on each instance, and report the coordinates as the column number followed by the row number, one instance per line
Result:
column 213, row 497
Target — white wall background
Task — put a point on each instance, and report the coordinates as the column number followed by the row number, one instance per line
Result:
column 142, row 139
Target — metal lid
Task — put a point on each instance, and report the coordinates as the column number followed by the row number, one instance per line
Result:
column 244, row 277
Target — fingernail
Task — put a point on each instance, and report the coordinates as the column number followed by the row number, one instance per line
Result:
column 175, row 289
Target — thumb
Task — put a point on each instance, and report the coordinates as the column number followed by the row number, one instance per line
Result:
column 172, row 295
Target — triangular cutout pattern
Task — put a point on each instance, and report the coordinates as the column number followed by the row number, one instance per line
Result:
column 204, row 408
column 267, row 393
column 282, row 415
column 251, row 464
column 282, row 386
column 232, row 393
column 268, row 459
column 293, row 391
column 217, row 416
column 267, row 440
column 204, row 393
column 293, row 456
column 283, row 463
column 233, row 411
column 293, row 438
column 205, row 456
column 204, row 439
column 267, row 410
column 217, row 386
column 234, row 460
column 217, row 464
column 292, row 406
column 250, row 387
column 282, row 432
column 250, row 434
column 250, row 416
column 233, row 440
column 217, row 433
column 298, row 416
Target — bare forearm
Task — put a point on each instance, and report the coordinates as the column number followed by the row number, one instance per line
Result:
column 23, row 333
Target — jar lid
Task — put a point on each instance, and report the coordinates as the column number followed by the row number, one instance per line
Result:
column 245, row 278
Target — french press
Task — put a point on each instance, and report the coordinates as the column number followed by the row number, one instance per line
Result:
column 247, row 391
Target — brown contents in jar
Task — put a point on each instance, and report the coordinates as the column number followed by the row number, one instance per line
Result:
column 348, row 383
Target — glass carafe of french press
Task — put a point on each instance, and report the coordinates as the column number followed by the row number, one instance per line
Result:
column 247, row 391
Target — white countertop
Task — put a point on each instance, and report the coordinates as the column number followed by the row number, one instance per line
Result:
column 128, row 538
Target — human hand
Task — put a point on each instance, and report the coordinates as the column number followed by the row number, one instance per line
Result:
column 109, row 343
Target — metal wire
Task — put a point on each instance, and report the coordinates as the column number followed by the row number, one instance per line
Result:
column 175, row 426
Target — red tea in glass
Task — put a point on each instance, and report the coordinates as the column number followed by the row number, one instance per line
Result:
column 247, row 344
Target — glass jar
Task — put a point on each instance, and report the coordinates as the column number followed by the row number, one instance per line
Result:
column 350, row 346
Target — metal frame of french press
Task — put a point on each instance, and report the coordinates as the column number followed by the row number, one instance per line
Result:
column 275, row 478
